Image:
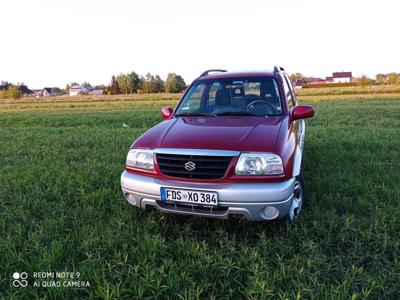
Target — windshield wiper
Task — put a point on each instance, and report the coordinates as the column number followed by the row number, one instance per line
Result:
column 193, row 114
column 237, row 113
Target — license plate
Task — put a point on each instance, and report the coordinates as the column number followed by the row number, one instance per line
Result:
column 189, row 196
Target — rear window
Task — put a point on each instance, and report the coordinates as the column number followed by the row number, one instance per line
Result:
column 255, row 96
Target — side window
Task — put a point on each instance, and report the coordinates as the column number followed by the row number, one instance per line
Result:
column 194, row 98
column 288, row 92
column 292, row 89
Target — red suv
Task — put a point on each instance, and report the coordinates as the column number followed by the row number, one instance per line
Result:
column 232, row 147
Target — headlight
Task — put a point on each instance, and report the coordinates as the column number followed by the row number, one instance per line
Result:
column 140, row 158
column 259, row 164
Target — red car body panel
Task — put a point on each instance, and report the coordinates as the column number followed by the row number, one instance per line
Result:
column 243, row 134
column 277, row 134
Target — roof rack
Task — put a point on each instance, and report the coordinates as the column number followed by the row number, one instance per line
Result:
column 205, row 73
column 278, row 69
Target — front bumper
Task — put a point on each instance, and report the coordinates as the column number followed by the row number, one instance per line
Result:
column 254, row 201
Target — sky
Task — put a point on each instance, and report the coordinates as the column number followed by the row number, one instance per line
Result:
column 54, row 42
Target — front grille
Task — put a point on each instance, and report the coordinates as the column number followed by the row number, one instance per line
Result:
column 205, row 167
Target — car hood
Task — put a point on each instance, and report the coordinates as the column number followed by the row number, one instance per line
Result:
column 239, row 133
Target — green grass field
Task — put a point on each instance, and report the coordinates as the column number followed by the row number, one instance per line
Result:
column 61, row 209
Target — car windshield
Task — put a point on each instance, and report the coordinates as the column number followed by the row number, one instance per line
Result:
column 233, row 97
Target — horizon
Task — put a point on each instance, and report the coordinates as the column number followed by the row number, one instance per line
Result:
column 93, row 86
column 187, row 83
column 71, row 41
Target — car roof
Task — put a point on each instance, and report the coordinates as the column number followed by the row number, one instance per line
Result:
column 264, row 73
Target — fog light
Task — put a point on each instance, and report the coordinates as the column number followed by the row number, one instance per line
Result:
column 270, row 213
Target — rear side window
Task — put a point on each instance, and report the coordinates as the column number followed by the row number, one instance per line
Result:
column 289, row 92
column 291, row 88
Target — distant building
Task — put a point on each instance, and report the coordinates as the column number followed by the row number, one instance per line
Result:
column 315, row 80
column 97, row 92
column 341, row 77
column 337, row 77
column 77, row 90
column 54, row 91
column 25, row 90
column 329, row 79
column 298, row 84
column 38, row 93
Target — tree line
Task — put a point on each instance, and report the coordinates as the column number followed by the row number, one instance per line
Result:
column 129, row 83
column 132, row 83
column 391, row 78
column 12, row 91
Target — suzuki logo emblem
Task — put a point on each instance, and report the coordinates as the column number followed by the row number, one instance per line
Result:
column 190, row 166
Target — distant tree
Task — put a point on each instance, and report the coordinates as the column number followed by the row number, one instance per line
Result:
column 87, row 86
column 392, row 78
column 170, row 83
column 23, row 88
column 67, row 87
column 174, row 83
column 380, row 78
column 140, row 84
column 123, row 83
column 128, row 83
column 73, row 83
column 101, row 87
column 149, row 84
column 135, row 80
column 296, row 76
column 10, row 91
column 4, row 83
column 114, row 87
column 158, row 84
column 364, row 81
column 13, row 92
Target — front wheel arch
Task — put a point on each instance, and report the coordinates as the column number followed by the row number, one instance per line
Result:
column 296, row 208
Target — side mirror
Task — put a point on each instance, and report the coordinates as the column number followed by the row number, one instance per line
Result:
column 302, row 112
column 166, row 113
